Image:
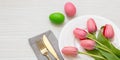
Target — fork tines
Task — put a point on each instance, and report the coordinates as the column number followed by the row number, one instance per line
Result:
column 40, row 44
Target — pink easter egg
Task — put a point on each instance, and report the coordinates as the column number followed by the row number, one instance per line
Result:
column 70, row 9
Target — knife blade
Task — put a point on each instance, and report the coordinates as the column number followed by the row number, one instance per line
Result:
column 49, row 47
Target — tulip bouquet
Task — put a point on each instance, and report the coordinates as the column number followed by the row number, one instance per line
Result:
column 98, row 46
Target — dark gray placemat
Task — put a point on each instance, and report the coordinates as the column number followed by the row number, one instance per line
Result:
column 51, row 37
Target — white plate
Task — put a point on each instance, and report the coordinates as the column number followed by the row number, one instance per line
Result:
column 67, row 38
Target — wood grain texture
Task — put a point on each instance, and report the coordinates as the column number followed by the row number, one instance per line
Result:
column 22, row 19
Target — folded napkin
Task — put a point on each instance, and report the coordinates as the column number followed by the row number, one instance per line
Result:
column 51, row 37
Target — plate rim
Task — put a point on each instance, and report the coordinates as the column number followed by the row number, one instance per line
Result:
column 72, row 20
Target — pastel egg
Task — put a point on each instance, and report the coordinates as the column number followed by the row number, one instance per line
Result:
column 70, row 9
column 57, row 18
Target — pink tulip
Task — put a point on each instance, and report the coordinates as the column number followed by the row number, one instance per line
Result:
column 88, row 44
column 80, row 33
column 91, row 25
column 70, row 51
column 108, row 31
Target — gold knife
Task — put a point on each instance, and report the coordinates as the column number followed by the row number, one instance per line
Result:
column 49, row 47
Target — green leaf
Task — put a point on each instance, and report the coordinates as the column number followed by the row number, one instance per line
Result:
column 115, row 50
column 95, row 52
column 103, row 40
column 91, row 36
column 108, row 43
column 105, row 43
column 93, row 55
column 108, row 55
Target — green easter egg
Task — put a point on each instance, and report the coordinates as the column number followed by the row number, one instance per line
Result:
column 57, row 18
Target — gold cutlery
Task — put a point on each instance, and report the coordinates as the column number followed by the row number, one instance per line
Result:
column 43, row 48
column 49, row 47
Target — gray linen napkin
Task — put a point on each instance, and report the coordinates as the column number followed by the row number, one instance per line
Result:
column 51, row 37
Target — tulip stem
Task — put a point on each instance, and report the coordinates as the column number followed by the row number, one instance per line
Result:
column 105, row 49
column 92, row 55
column 97, row 41
column 103, row 46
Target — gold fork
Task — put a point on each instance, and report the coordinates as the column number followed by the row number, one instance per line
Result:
column 43, row 49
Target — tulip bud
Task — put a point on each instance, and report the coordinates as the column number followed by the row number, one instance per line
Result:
column 70, row 51
column 108, row 31
column 80, row 33
column 91, row 25
column 88, row 44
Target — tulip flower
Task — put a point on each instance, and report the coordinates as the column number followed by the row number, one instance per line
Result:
column 73, row 51
column 88, row 44
column 70, row 51
column 108, row 31
column 91, row 25
column 80, row 33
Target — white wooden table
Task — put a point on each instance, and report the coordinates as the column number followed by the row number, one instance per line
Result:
column 22, row 19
